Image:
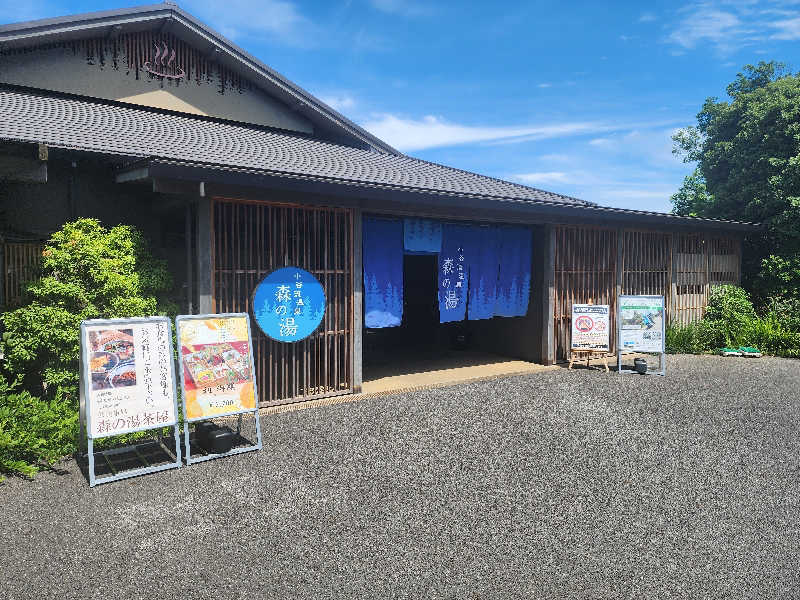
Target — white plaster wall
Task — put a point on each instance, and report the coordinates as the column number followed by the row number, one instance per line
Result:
column 61, row 69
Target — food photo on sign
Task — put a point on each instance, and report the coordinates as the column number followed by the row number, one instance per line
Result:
column 112, row 360
column 217, row 371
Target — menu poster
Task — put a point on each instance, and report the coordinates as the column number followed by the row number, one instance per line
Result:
column 128, row 375
column 216, row 365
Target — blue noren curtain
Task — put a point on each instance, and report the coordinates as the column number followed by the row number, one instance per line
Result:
column 422, row 236
column 514, row 282
column 383, row 272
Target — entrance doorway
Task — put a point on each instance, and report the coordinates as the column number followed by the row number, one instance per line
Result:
column 421, row 351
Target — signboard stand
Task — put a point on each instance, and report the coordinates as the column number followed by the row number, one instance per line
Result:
column 590, row 327
column 127, row 385
column 215, row 358
column 641, row 330
column 574, row 355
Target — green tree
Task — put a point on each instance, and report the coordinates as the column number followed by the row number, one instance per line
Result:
column 87, row 272
column 747, row 151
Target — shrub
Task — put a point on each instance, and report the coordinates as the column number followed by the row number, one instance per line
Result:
column 771, row 337
column 785, row 310
column 731, row 312
column 33, row 432
column 695, row 338
column 87, row 272
column 731, row 321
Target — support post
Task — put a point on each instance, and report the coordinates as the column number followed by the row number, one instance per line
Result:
column 618, row 276
column 204, row 249
column 358, row 291
column 672, row 301
column 189, row 262
column 548, row 296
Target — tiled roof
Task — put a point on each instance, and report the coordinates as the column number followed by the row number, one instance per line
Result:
column 114, row 128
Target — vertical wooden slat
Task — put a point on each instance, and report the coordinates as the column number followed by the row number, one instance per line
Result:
column 253, row 238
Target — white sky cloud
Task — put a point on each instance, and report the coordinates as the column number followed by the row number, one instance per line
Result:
column 647, row 17
column 430, row 131
column 340, row 102
column 787, row 29
column 409, row 134
column 728, row 26
column 543, row 178
column 275, row 19
column 406, row 8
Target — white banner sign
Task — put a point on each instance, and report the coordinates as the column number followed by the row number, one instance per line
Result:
column 641, row 323
column 128, row 375
column 590, row 327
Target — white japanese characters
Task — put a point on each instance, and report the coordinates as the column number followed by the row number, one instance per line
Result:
column 452, row 282
column 290, row 302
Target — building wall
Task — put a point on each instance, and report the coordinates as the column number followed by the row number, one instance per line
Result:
column 596, row 264
column 78, row 70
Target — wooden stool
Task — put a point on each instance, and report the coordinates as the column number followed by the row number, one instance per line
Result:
column 573, row 356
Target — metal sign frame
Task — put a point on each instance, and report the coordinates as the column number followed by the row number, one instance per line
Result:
column 662, row 356
column 186, row 421
column 85, row 416
column 607, row 347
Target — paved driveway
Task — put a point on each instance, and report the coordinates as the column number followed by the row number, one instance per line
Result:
column 558, row 484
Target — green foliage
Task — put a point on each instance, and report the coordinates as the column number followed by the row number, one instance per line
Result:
column 730, row 312
column 698, row 337
column 693, row 198
column 87, row 272
column 786, row 311
column 33, row 432
column 731, row 321
column 772, row 337
column 748, row 169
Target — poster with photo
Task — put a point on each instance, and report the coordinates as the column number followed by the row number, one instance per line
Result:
column 128, row 375
column 641, row 323
column 590, row 327
column 216, row 365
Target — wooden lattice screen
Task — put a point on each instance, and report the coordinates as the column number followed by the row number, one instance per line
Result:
column 249, row 241
column 585, row 270
column 646, row 263
column 680, row 266
column 21, row 262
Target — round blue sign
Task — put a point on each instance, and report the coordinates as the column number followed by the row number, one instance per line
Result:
column 289, row 304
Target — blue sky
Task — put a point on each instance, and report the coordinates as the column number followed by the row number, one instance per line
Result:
column 578, row 98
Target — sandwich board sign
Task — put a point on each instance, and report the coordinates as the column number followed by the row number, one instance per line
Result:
column 217, row 374
column 590, row 326
column 641, row 328
column 127, row 385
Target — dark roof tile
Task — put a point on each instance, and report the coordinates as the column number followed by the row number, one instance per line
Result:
column 113, row 128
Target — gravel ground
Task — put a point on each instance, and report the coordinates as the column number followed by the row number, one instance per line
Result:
column 559, row 484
